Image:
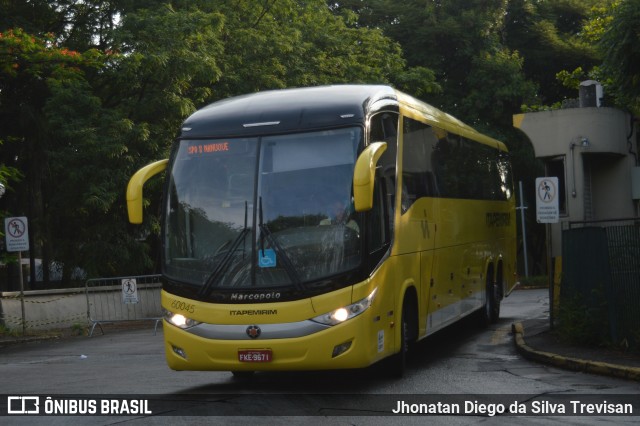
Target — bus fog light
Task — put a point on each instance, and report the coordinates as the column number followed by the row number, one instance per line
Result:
column 179, row 351
column 340, row 349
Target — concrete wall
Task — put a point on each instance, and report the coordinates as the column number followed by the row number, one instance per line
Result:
column 552, row 132
column 44, row 309
column 59, row 309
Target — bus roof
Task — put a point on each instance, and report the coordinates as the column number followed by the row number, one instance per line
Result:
column 288, row 110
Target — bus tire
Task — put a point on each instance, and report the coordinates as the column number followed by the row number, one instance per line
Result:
column 491, row 310
column 408, row 334
column 398, row 361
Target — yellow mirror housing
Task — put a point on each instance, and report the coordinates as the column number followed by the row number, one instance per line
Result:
column 364, row 176
column 134, row 189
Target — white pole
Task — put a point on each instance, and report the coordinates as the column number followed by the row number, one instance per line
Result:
column 21, row 278
column 522, row 208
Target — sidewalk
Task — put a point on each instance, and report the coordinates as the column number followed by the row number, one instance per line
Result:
column 534, row 341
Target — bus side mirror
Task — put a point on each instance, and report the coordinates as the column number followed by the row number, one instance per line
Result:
column 364, row 176
column 134, row 189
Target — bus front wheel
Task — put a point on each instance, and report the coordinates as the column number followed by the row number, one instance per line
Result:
column 398, row 362
column 408, row 333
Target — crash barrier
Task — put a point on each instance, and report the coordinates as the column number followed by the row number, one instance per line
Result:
column 119, row 299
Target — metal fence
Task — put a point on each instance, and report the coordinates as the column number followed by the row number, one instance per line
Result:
column 111, row 300
column 601, row 263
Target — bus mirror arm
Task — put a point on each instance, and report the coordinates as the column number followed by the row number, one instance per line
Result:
column 364, row 176
column 134, row 189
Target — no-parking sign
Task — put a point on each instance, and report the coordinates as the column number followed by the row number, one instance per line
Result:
column 16, row 231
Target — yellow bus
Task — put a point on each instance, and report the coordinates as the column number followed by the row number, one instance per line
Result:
column 327, row 228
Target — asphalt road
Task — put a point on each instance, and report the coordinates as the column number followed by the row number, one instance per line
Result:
column 463, row 365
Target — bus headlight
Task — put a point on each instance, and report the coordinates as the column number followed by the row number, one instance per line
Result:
column 340, row 315
column 179, row 320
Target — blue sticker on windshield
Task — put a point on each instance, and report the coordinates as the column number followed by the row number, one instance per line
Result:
column 267, row 258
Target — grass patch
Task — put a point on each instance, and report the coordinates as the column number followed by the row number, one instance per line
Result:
column 535, row 281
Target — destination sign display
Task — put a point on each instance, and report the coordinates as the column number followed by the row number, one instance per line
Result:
column 215, row 147
column 207, row 148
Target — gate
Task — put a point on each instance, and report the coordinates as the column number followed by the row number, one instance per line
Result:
column 121, row 299
column 601, row 263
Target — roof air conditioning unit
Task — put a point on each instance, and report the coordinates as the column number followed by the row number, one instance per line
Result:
column 590, row 94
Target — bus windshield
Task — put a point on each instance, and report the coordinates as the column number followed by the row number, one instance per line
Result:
column 262, row 212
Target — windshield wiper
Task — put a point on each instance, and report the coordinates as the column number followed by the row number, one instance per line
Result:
column 224, row 263
column 280, row 251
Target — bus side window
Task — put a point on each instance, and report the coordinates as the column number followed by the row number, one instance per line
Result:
column 418, row 178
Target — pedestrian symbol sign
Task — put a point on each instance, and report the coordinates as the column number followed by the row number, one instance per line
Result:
column 547, row 206
column 16, row 231
column 129, row 291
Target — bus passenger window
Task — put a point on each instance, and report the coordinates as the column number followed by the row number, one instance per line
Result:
column 417, row 176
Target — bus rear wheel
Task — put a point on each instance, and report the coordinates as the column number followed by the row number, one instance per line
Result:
column 491, row 311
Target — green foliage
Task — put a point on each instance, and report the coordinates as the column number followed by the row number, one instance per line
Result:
column 85, row 104
column 549, row 35
column 92, row 90
column 535, row 281
column 572, row 79
column 620, row 47
column 6, row 331
column 496, row 85
column 584, row 320
column 272, row 45
column 79, row 329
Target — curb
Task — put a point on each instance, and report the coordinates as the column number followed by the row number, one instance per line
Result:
column 569, row 363
column 25, row 339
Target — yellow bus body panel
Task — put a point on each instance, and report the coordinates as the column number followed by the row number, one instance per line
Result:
column 373, row 334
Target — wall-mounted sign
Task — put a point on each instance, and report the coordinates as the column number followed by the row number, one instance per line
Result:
column 547, row 206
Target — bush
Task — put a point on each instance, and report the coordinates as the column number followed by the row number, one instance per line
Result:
column 584, row 320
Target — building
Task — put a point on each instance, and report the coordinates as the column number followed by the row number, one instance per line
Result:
column 593, row 151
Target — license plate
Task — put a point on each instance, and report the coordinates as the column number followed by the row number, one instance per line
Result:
column 254, row 355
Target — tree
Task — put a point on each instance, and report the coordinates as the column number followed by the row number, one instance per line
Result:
column 134, row 71
column 28, row 65
column 160, row 65
column 483, row 78
column 548, row 34
column 620, row 47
